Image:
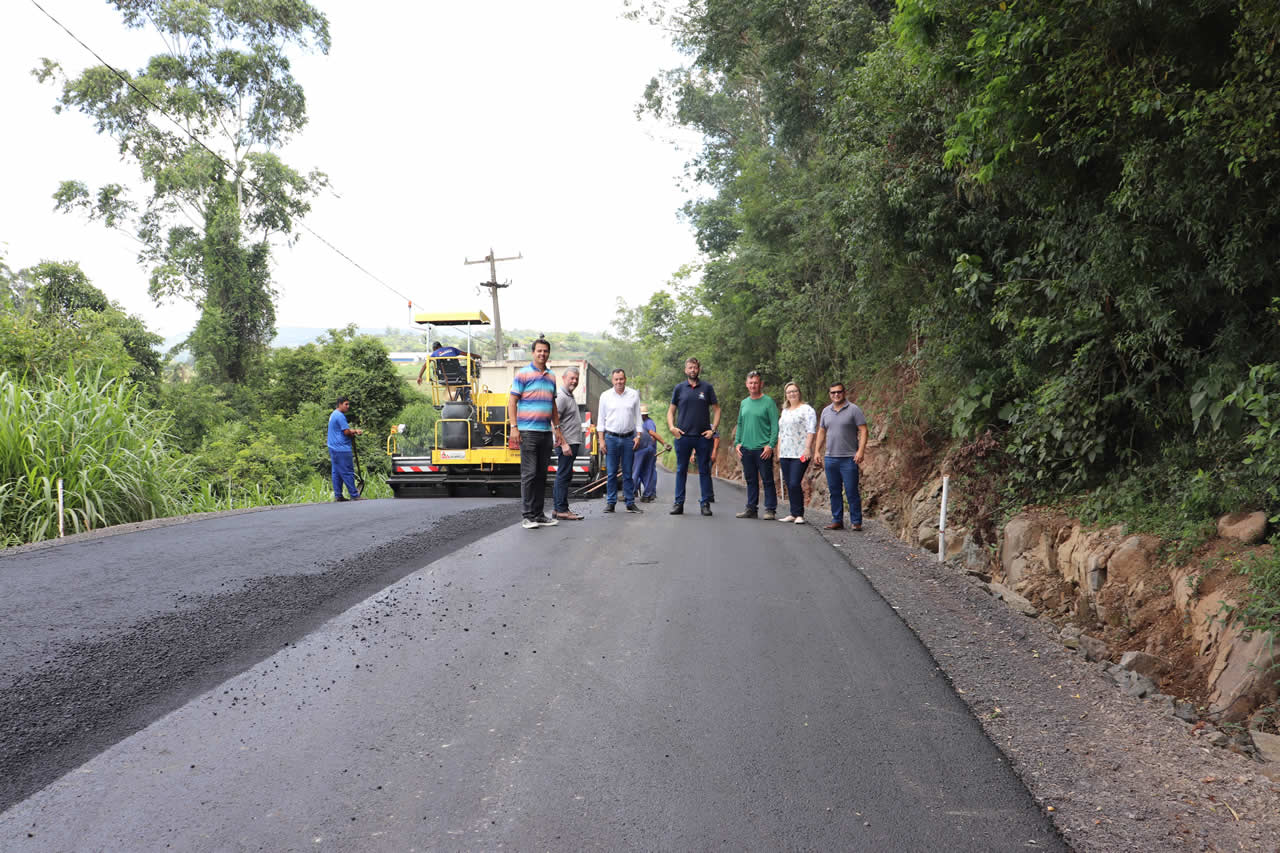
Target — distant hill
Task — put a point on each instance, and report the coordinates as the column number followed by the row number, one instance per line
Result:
column 296, row 336
column 412, row 340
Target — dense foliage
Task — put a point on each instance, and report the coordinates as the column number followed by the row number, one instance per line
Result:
column 52, row 316
column 88, row 401
column 1055, row 221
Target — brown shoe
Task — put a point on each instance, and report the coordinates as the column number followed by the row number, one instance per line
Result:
column 855, row 526
column 568, row 516
column 835, row 525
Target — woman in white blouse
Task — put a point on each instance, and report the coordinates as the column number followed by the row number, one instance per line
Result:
column 796, row 428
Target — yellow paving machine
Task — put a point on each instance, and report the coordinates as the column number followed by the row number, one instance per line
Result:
column 470, row 449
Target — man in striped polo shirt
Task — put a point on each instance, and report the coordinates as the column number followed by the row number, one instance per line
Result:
column 535, row 424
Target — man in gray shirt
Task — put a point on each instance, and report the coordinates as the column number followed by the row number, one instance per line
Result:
column 844, row 428
column 570, row 443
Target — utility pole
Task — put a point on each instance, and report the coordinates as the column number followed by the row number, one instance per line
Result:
column 493, row 286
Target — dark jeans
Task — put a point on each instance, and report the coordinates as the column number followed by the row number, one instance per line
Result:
column 755, row 469
column 564, row 473
column 645, row 472
column 842, row 472
column 619, row 451
column 344, row 471
column 793, row 475
column 535, row 456
column 685, row 446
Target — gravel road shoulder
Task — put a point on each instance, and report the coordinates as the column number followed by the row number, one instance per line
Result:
column 1114, row 773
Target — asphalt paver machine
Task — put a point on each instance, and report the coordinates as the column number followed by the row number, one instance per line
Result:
column 470, row 449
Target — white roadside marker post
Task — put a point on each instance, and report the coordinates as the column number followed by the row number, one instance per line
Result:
column 942, row 522
column 61, row 529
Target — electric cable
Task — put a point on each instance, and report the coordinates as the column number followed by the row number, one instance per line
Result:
column 198, row 141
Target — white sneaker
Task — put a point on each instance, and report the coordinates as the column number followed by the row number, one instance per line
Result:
column 528, row 524
column 788, row 518
column 799, row 519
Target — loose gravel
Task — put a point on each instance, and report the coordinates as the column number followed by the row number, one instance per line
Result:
column 1114, row 773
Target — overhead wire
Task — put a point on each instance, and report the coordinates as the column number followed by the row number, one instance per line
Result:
column 198, row 141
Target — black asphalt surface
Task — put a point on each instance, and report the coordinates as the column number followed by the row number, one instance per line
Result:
column 101, row 634
column 625, row 682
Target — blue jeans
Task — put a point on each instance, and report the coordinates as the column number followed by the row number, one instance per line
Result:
column 685, row 445
column 793, row 475
column 755, row 469
column 344, row 471
column 842, row 474
column 618, row 451
column 645, row 472
column 564, row 473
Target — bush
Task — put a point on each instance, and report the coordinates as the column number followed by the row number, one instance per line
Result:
column 196, row 409
column 1259, row 397
column 419, row 421
column 358, row 367
column 1260, row 609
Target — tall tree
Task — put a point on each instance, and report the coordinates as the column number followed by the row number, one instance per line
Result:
column 59, row 319
column 202, row 120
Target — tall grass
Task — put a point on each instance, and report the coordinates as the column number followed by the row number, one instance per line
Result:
column 117, row 461
column 111, row 453
column 315, row 489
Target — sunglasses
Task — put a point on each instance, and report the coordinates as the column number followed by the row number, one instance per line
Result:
column 834, row 393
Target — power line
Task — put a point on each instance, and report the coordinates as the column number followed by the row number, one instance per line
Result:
column 198, row 141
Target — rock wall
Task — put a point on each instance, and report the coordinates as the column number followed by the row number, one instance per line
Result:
column 1106, row 579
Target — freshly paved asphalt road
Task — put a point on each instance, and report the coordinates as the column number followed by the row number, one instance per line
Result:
column 624, row 682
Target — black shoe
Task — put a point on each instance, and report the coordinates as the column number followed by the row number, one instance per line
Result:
column 746, row 513
column 608, row 508
column 678, row 509
column 706, row 509
column 631, row 507
column 340, row 499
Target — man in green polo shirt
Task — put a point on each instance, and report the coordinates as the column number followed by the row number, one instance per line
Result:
column 757, row 435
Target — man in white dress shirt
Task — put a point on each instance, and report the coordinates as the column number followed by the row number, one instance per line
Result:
column 621, row 423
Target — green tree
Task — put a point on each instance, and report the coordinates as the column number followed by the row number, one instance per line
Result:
column 295, row 376
column 226, row 81
column 1141, row 250
column 1051, row 219
column 62, row 319
column 358, row 367
column 65, row 294
column 196, row 409
column 11, row 289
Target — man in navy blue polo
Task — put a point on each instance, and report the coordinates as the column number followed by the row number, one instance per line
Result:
column 693, row 418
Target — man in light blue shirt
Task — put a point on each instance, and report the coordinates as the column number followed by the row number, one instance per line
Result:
column 341, row 451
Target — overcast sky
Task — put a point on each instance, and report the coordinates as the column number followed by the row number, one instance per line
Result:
column 445, row 129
